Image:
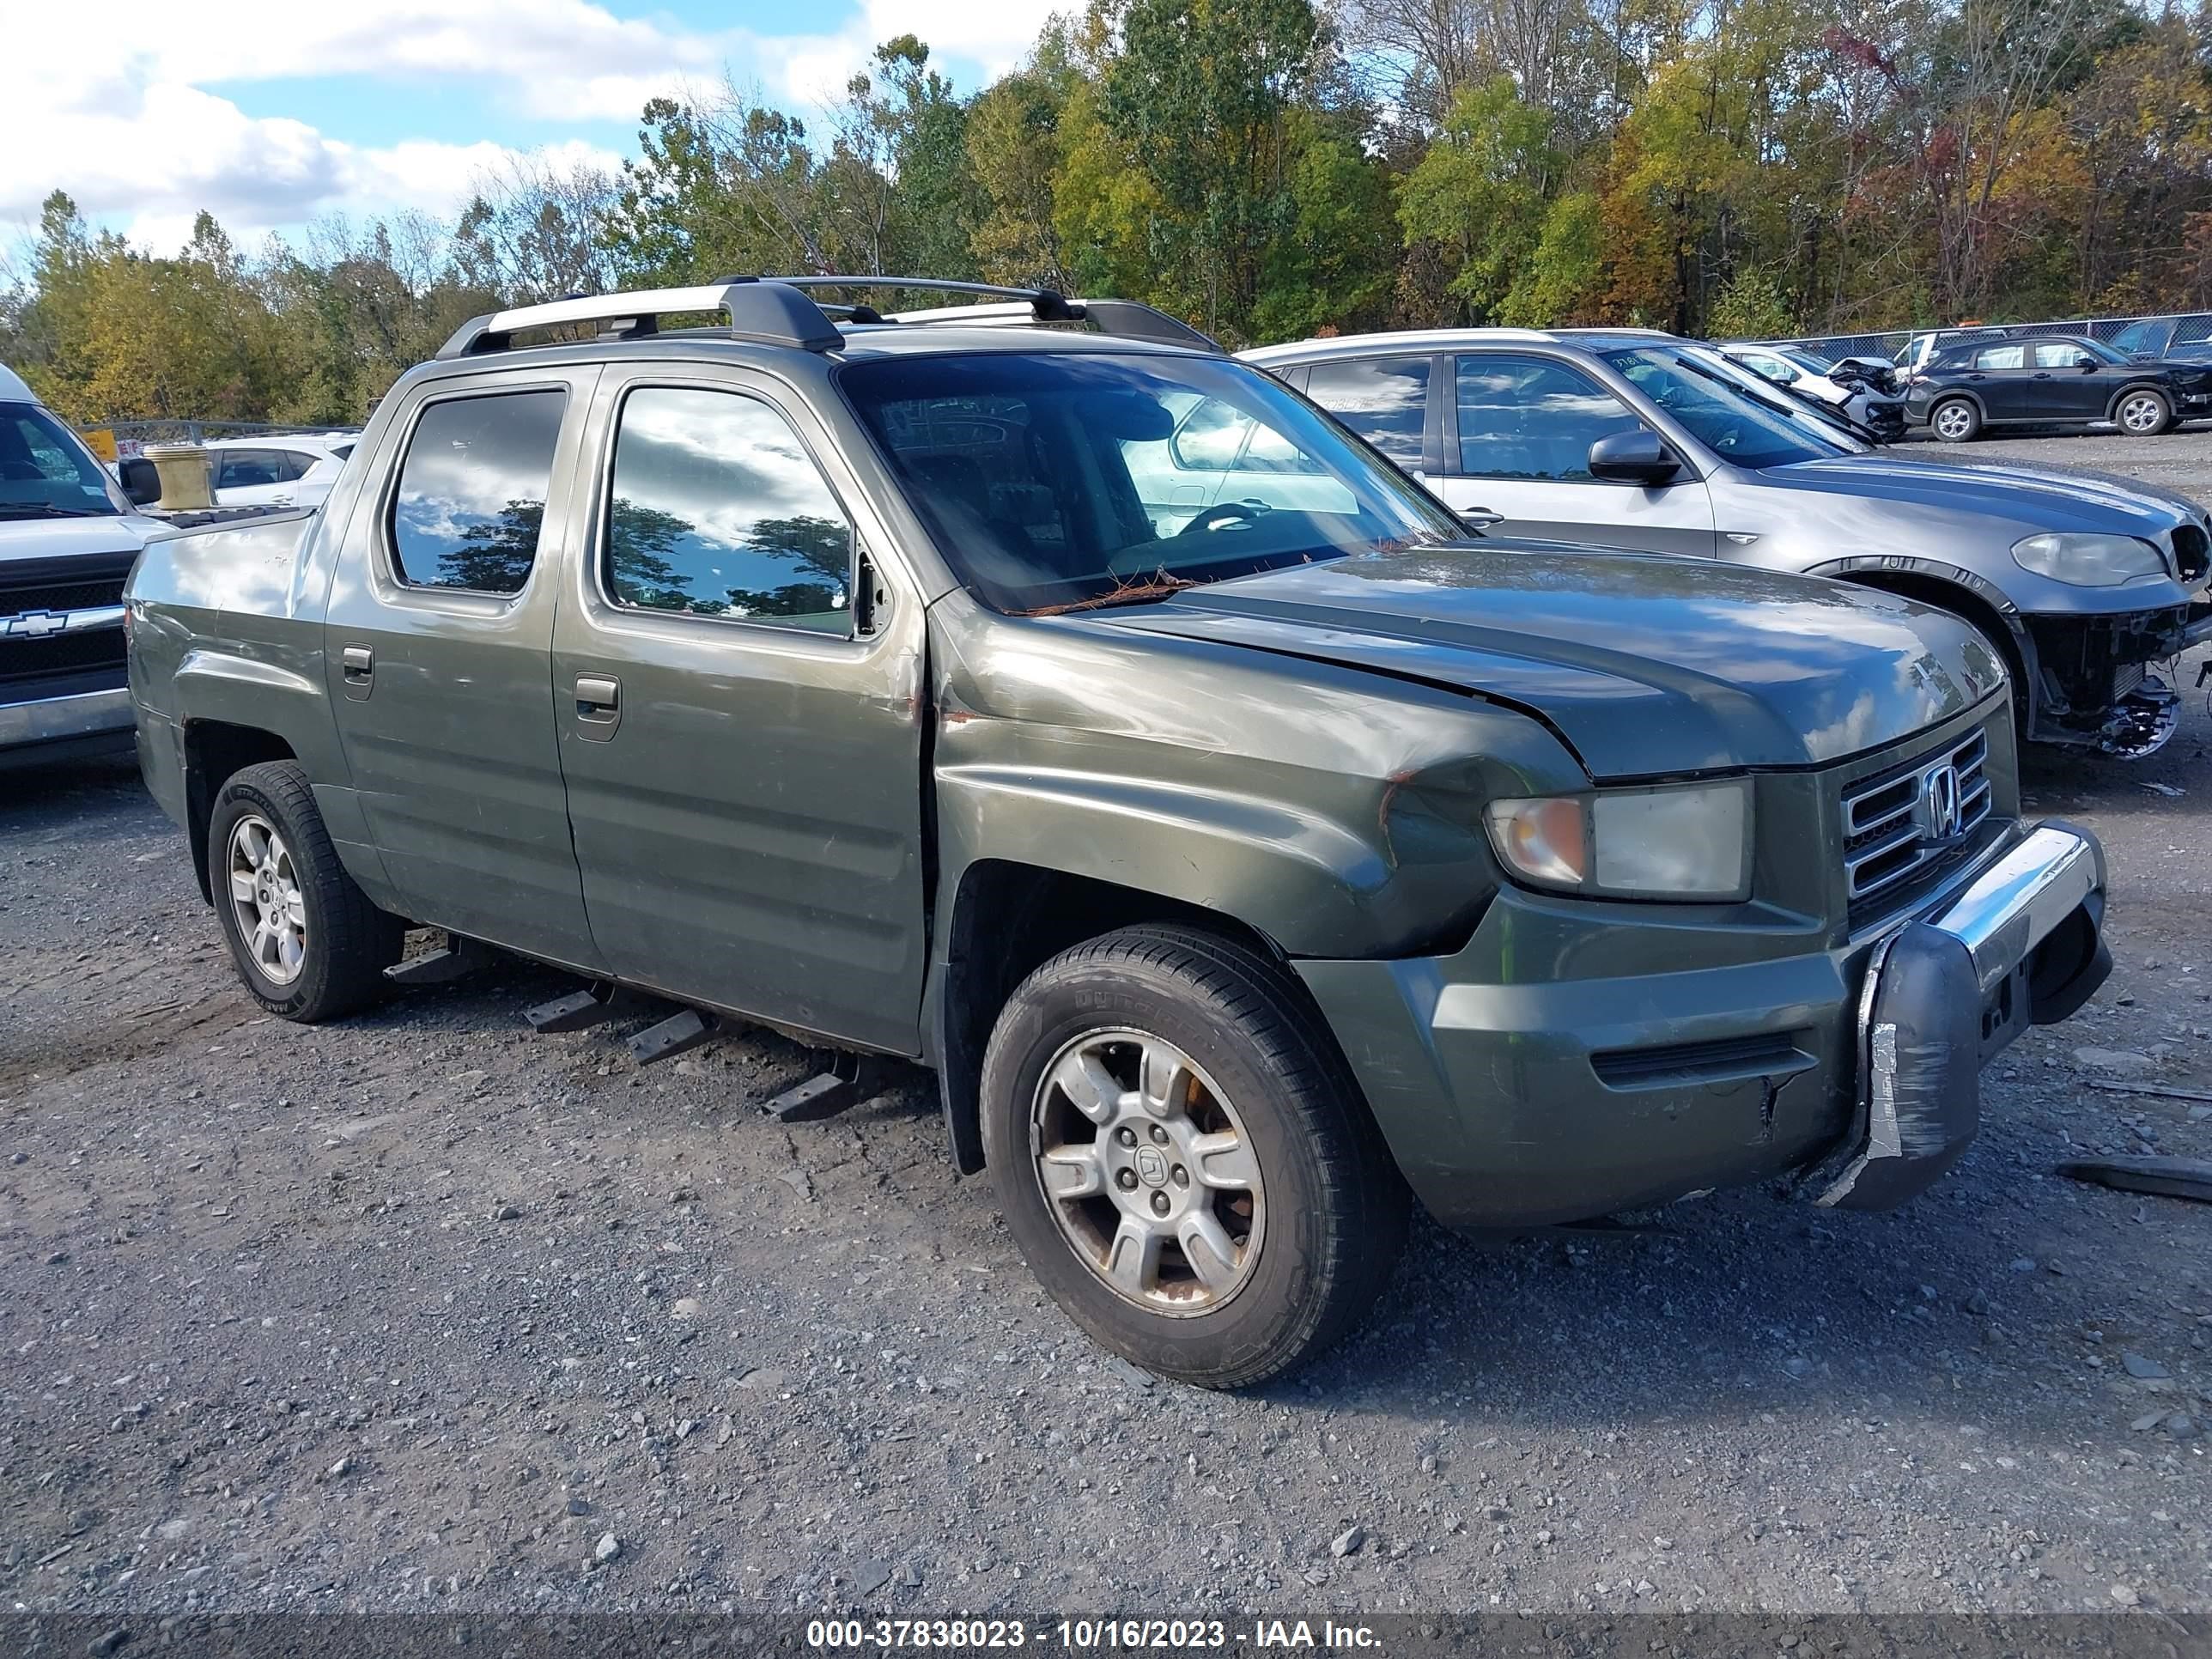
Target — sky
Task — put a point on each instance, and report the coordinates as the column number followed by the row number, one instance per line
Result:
column 271, row 114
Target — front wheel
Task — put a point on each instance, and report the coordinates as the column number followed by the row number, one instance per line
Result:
column 1956, row 420
column 1183, row 1162
column 2144, row 414
column 307, row 941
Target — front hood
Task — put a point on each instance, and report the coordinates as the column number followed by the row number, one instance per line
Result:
column 1645, row 665
column 61, row 538
column 2034, row 498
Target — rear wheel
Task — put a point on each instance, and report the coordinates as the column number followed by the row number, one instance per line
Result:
column 307, row 941
column 1956, row 420
column 1183, row 1162
column 2144, row 413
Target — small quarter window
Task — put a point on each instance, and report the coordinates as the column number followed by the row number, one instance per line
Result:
column 717, row 510
column 472, row 491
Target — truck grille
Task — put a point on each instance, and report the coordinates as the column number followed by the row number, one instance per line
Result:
column 1893, row 824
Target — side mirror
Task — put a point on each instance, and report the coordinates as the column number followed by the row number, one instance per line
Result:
column 1640, row 457
column 2088, row 365
column 141, row 482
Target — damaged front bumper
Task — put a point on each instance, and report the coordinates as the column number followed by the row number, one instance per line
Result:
column 2024, row 942
column 1516, row 1092
column 2093, row 686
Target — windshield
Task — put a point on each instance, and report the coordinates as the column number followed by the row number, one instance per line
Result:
column 1081, row 478
column 45, row 472
column 2100, row 350
column 1739, row 418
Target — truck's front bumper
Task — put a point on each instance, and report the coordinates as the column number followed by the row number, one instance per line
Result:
column 1515, row 1096
column 62, row 719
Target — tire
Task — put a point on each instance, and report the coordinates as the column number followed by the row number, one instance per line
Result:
column 318, row 948
column 2143, row 413
column 1956, row 420
column 1263, row 1093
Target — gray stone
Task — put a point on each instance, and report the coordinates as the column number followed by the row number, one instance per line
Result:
column 2182, row 1427
column 580, row 1506
column 610, row 1546
column 506, row 1212
column 2124, row 1596
column 870, row 1577
column 2125, row 1061
column 1347, row 1543
column 2137, row 1365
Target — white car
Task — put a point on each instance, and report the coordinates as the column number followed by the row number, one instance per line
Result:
column 1810, row 374
column 292, row 468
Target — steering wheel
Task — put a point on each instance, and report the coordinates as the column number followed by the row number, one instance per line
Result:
column 1222, row 514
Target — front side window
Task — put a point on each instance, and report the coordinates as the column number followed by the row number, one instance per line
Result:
column 1056, row 480
column 1384, row 399
column 1529, row 417
column 717, row 510
column 44, row 471
column 472, row 488
column 2062, row 354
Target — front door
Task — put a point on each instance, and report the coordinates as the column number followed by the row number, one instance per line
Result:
column 742, row 709
column 1524, row 425
column 436, row 644
column 2067, row 381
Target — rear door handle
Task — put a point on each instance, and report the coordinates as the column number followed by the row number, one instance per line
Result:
column 599, row 705
column 357, row 668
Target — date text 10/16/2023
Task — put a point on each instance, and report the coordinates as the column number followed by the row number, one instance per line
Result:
column 1083, row 1635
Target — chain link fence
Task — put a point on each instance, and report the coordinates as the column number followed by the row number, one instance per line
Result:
column 2156, row 333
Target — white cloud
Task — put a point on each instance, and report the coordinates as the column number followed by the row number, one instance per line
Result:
column 145, row 139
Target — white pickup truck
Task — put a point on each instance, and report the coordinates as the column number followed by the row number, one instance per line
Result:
column 67, row 539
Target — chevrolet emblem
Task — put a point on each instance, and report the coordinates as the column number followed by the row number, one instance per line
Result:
column 32, row 624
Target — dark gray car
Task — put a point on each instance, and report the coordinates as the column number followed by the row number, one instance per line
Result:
column 1637, row 440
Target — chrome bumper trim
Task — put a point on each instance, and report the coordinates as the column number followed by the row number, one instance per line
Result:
column 88, row 715
column 2016, row 904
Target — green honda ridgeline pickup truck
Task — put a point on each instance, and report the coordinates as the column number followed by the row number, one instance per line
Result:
column 1088, row 717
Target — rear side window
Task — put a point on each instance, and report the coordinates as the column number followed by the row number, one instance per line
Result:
column 1384, row 399
column 2005, row 357
column 249, row 469
column 717, row 510
column 472, row 491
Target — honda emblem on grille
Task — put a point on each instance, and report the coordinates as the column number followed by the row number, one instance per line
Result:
column 1939, row 803
column 32, row 625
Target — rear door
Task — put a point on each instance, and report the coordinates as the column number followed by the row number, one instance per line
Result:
column 739, row 674
column 1523, row 425
column 437, row 646
column 1998, row 375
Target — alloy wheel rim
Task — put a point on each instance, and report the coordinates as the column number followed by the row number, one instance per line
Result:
column 1950, row 420
column 1148, row 1172
column 265, row 900
column 2139, row 414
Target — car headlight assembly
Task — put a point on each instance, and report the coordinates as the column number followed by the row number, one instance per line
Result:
column 1684, row 844
column 2089, row 560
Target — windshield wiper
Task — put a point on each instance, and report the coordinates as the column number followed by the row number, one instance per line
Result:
column 47, row 510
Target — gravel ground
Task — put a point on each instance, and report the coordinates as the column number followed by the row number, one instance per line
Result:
column 423, row 1311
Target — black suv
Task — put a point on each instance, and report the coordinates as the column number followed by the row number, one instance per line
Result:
column 2051, row 379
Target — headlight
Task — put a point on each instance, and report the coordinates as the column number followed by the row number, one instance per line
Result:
column 1674, row 843
column 2089, row 560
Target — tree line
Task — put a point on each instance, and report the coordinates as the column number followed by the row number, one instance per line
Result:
column 1268, row 169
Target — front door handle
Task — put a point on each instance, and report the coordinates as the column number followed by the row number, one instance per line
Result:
column 357, row 668
column 599, row 705
column 1480, row 517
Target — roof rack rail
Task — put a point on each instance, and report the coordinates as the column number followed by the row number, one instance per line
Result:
column 772, row 313
column 777, row 311
column 1124, row 318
